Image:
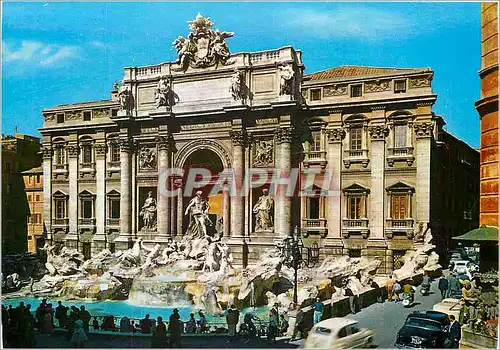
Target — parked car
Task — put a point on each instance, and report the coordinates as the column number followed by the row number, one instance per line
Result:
column 449, row 306
column 427, row 329
column 464, row 267
column 338, row 333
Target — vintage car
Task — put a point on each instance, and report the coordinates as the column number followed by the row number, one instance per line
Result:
column 449, row 306
column 338, row 333
column 424, row 330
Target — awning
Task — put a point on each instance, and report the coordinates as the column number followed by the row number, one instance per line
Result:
column 481, row 234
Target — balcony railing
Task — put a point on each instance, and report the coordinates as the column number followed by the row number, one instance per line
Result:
column 86, row 221
column 356, row 156
column 60, row 221
column 315, row 157
column 399, row 223
column 314, row 223
column 355, row 222
column 398, row 227
column 112, row 222
column 404, row 154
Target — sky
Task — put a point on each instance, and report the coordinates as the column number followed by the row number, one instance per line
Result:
column 58, row 53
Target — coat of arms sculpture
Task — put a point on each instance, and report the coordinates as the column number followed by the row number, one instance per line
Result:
column 204, row 46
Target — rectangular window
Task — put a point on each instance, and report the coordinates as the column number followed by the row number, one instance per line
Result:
column 87, row 116
column 356, row 137
column 400, row 135
column 60, row 156
column 38, row 179
column 315, row 94
column 315, row 143
column 29, row 219
column 354, row 207
column 114, row 208
column 86, row 208
column 398, row 207
column 357, row 90
column 115, row 153
column 87, row 154
column 399, row 86
column 60, row 205
column 37, row 198
column 60, row 118
column 30, row 198
column 314, row 208
column 114, row 112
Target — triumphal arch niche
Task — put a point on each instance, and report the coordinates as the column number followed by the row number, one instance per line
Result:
column 212, row 109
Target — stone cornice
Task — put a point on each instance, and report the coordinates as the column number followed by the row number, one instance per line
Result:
column 165, row 143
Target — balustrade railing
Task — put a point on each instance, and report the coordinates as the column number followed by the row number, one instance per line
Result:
column 355, row 222
column 60, row 221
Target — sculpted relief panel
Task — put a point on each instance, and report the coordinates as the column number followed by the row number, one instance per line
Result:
column 263, row 153
column 147, row 158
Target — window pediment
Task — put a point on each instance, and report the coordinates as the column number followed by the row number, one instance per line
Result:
column 87, row 194
column 355, row 119
column 113, row 193
column 356, row 188
column 60, row 195
column 400, row 187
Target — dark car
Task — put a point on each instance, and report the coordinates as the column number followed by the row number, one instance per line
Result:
column 424, row 330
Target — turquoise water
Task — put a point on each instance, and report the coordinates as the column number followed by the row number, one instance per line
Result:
column 124, row 308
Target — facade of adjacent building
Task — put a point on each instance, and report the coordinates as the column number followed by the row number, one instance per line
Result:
column 19, row 153
column 372, row 128
column 33, row 184
column 487, row 108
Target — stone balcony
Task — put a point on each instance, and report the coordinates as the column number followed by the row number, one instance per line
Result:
column 355, row 227
column 399, row 226
column 400, row 154
column 356, row 156
column 87, row 168
column 315, row 158
column 59, row 170
column 314, row 226
column 113, row 167
column 86, row 222
column 60, row 222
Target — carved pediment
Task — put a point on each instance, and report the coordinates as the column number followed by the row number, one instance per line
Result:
column 356, row 188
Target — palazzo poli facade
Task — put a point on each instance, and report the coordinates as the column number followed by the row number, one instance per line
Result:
column 373, row 128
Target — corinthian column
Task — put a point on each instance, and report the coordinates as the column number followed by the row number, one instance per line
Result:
column 72, row 238
column 237, row 203
column 283, row 212
column 125, row 237
column 47, row 154
column 163, row 214
column 100, row 202
column 377, row 194
column 334, row 209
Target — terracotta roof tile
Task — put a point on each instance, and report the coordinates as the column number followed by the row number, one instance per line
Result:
column 352, row 71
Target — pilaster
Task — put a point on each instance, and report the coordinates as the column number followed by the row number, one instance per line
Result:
column 334, row 203
column 47, row 154
column 423, row 133
column 99, row 239
column 73, row 151
column 378, row 134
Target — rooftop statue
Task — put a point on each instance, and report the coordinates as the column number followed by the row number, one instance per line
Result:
column 204, row 47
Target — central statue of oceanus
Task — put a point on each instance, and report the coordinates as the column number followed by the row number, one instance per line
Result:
column 198, row 210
